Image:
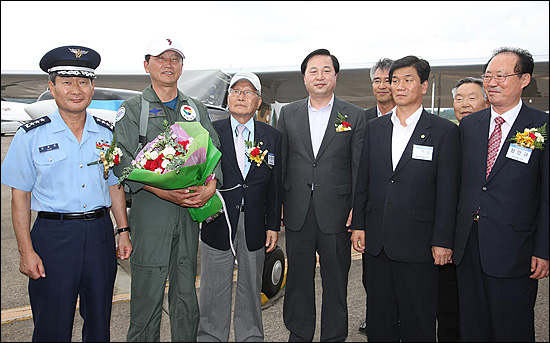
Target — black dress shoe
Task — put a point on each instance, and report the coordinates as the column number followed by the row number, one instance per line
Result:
column 363, row 327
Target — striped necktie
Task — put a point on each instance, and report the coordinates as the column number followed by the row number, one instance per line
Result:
column 494, row 144
column 240, row 148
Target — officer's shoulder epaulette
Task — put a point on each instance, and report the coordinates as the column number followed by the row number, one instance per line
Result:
column 104, row 123
column 36, row 123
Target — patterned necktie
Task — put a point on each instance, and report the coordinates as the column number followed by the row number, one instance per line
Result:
column 240, row 148
column 494, row 144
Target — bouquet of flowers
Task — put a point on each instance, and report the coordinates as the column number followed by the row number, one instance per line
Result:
column 341, row 124
column 533, row 138
column 108, row 158
column 181, row 156
column 255, row 154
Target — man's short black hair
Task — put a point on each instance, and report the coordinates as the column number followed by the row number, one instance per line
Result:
column 422, row 66
column 323, row 52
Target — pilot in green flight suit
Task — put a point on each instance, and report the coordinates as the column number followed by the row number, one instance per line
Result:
column 164, row 236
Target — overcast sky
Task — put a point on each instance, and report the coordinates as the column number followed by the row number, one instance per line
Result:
column 258, row 35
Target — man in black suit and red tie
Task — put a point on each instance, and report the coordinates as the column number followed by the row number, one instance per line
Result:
column 405, row 207
column 501, row 244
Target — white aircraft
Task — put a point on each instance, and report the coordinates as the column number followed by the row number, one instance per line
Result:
column 13, row 116
column 279, row 86
column 104, row 105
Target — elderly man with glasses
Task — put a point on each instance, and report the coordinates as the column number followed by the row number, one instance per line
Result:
column 501, row 242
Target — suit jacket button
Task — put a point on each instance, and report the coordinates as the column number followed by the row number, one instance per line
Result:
column 484, row 189
column 391, row 182
column 314, row 165
column 245, row 186
column 238, row 207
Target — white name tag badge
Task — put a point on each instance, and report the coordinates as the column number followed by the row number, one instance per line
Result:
column 422, row 152
column 270, row 159
column 519, row 153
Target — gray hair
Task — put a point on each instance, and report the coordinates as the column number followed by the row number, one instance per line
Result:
column 383, row 64
column 475, row 80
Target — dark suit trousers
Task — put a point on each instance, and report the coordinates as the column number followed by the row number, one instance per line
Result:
column 401, row 298
column 80, row 259
column 447, row 305
column 493, row 309
column 334, row 259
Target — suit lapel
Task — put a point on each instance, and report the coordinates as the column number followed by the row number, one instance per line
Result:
column 420, row 134
column 259, row 136
column 522, row 121
column 302, row 123
column 385, row 138
column 481, row 138
column 330, row 130
column 228, row 144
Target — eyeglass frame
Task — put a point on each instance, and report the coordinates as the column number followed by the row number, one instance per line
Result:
column 483, row 77
column 246, row 93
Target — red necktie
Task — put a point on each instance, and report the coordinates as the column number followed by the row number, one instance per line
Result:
column 494, row 144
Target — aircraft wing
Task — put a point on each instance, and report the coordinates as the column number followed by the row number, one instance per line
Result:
column 14, row 111
column 354, row 84
column 285, row 84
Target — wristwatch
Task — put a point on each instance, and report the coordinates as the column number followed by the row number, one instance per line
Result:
column 123, row 229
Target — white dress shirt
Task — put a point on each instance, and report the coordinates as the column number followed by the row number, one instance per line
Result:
column 402, row 134
column 380, row 114
column 509, row 117
column 318, row 121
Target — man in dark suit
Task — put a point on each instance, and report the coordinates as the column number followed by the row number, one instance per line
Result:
column 321, row 144
column 501, row 244
column 252, row 191
column 468, row 97
column 404, row 209
column 380, row 76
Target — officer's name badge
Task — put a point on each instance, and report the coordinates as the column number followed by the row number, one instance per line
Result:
column 422, row 152
column 270, row 159
column 188, row 113
column 48, row 147
column 519, row 153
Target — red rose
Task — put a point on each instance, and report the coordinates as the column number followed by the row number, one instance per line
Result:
column 346, row 124
column 532, row 136
column 255, row 152
column 151, row 165
column 116, row 160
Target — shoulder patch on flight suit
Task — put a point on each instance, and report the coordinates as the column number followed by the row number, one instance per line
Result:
column 104, row 123
column 36, row 123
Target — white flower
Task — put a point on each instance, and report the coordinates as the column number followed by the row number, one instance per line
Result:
column 165, row 163
column 153, row 155
column 169, row 151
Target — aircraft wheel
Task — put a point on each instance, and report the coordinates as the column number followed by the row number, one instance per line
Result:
column 274, row 268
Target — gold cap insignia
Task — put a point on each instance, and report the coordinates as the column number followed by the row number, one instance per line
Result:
column 77, row 52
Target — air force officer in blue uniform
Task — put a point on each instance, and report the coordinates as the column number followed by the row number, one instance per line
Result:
column 70, row 251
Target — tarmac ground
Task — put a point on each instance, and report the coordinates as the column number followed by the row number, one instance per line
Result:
column 17, row 324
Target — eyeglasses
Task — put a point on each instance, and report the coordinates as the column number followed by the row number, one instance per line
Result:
column 498, row 78
column 378, row 82
column 247, row 94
